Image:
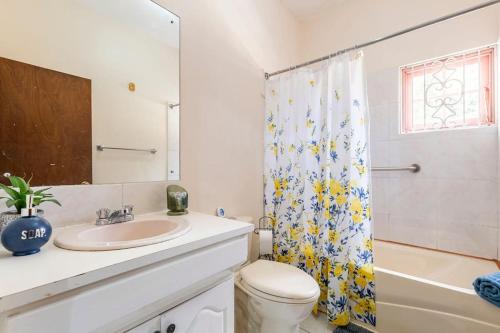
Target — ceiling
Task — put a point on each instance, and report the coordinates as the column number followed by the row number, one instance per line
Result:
column 303, row 9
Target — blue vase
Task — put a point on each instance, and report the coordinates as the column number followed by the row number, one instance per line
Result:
column 26, row 235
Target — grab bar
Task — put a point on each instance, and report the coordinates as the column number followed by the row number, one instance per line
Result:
column 101, row 148
column 412, row 168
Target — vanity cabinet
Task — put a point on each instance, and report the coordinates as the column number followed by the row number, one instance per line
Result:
column 211, row 311
column 193, row 291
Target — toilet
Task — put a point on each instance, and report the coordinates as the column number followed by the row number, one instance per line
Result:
column 273, row 297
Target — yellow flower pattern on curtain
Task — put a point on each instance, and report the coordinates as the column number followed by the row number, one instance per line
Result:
column 317, row 182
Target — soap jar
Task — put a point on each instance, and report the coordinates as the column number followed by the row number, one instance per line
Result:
column 27, row 234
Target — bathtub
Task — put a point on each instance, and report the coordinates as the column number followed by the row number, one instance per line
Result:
column 425, row 291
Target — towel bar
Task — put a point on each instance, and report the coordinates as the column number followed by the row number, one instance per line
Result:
column 412, row 168
column 101, row 148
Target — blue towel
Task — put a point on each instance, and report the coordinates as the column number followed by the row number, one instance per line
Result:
column 488, row 287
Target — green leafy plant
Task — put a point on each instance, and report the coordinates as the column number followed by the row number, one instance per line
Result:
column 16, row 193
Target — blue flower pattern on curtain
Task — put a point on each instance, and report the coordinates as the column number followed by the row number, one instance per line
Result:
column 317, row 182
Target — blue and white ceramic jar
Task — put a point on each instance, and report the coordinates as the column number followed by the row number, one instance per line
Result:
column 27, row 234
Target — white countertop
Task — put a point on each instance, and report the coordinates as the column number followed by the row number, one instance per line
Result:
column 52, row 271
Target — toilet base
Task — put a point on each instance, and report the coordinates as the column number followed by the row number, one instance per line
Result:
column 245, row 319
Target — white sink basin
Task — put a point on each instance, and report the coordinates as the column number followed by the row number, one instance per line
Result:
column 140, row 232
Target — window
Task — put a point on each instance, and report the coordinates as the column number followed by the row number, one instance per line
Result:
column 455, row 91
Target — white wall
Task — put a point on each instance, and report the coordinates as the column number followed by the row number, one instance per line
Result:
column 225, row 45
column 452, row 203
column 74, row 38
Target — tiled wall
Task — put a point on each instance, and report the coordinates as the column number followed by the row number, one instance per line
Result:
column 79, row 203
column 451, row 204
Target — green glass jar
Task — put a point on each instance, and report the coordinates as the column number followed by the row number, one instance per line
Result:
column 177, row 200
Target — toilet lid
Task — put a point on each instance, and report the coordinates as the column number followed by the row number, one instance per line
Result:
column 279, row 280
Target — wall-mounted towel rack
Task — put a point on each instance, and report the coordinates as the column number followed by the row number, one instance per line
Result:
column 412, row 168
column 101, row 148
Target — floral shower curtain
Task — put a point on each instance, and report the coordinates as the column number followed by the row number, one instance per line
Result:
column 317, row 182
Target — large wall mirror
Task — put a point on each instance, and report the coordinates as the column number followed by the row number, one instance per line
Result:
column 89, row 91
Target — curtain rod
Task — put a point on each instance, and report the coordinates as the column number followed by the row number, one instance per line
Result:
column 381, row 39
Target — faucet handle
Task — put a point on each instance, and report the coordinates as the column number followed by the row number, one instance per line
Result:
column 103, row 213
column 128, row 209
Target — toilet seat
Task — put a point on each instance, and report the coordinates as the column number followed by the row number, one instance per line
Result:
column 279, row 282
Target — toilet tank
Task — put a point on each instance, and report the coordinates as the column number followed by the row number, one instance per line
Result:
column 253, row 245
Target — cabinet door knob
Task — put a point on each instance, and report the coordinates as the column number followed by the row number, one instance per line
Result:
column 170, row 328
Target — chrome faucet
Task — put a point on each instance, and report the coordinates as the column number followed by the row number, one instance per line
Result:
column 104, row 215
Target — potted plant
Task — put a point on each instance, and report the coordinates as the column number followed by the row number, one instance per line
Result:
column 16, row 198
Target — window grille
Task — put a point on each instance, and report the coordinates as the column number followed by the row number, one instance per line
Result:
column 454, row 91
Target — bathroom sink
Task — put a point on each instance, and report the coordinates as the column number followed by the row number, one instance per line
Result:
column 140, row 232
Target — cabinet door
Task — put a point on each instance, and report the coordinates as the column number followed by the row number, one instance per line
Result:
column 151, row 326
column 211, row 311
